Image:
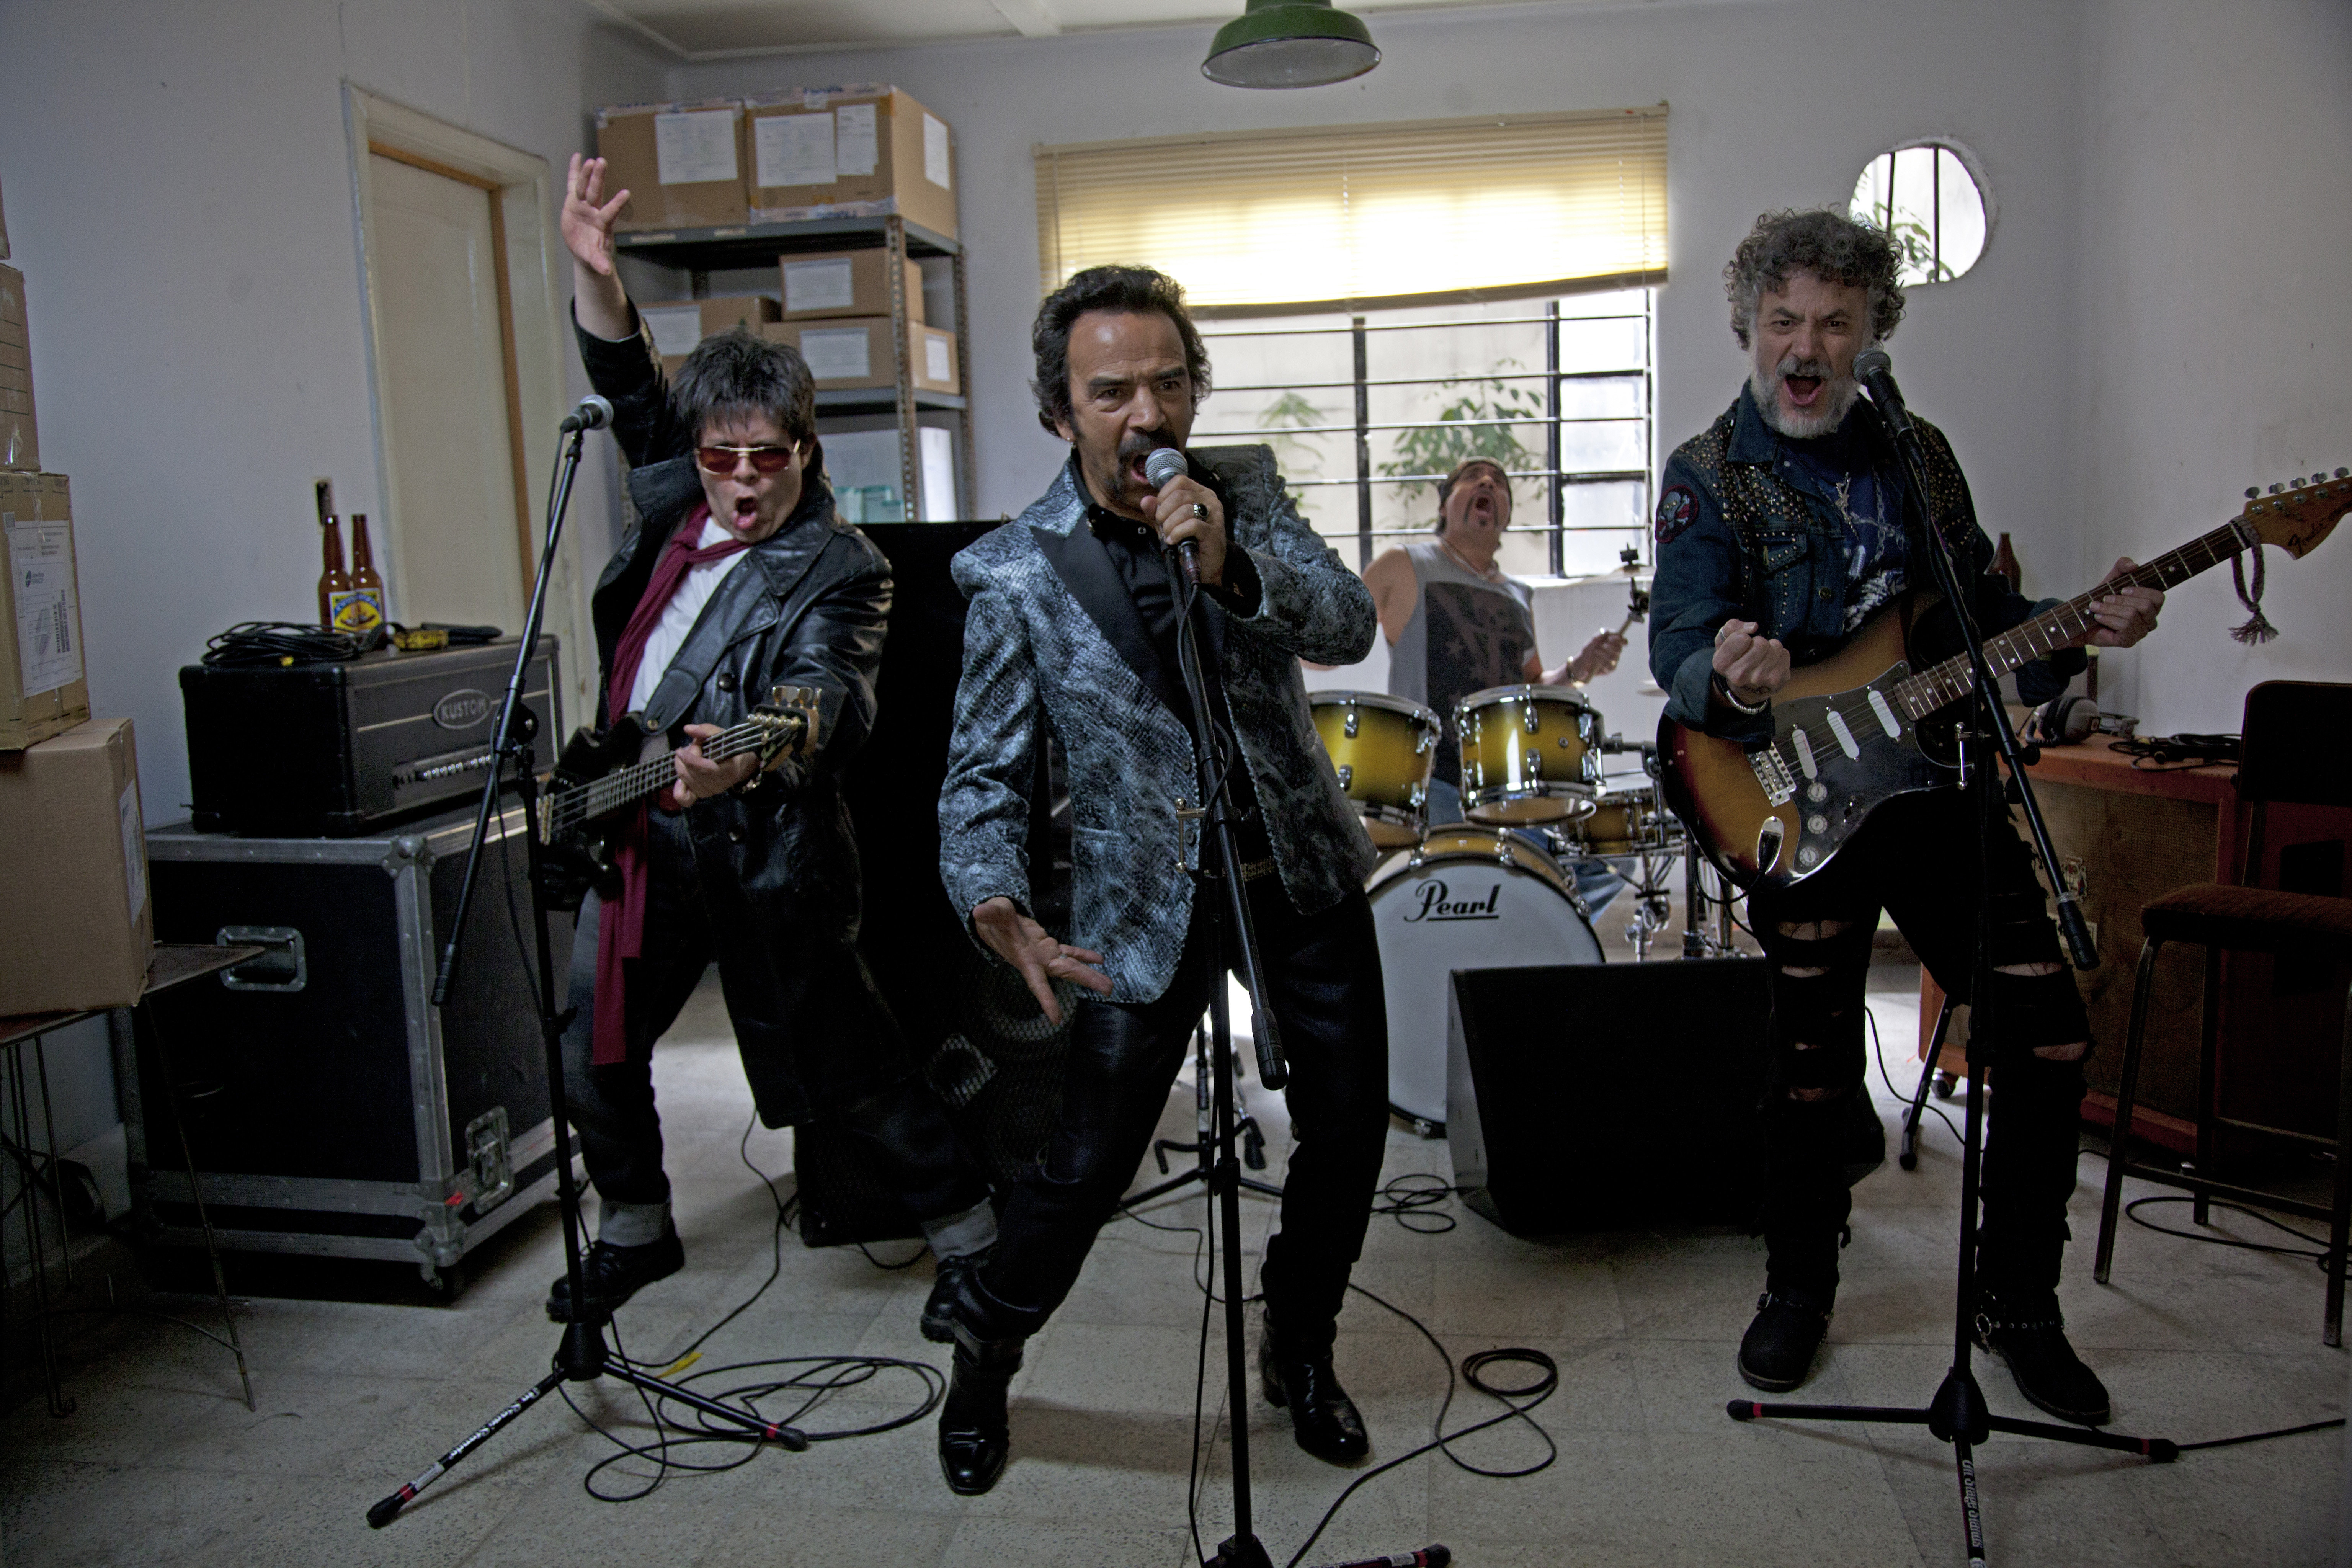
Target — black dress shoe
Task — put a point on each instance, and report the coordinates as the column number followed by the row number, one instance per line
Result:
column 614, row 1274
column 1322, row 1416
column 1776, row 1354
column 938, row 1308
column 975, row 1433
column 2048, row 1371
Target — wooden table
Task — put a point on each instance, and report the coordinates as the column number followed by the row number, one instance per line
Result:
column 173, row 964
column 2123, row 835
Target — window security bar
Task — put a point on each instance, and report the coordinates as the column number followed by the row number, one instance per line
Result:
column 1261, row 432
column 1422, row 326
column 1592, row 476
column 1627, row 375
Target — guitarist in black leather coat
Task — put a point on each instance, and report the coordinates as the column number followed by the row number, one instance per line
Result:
column 1781, row 531
column 755, row 868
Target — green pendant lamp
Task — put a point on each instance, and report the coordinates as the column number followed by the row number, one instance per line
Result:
column 1290, row 43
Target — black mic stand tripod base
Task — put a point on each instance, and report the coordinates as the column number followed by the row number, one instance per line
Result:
column 581, row 1356
column 1957, row 1415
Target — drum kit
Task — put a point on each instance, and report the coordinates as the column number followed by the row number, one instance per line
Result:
column 1499, row 889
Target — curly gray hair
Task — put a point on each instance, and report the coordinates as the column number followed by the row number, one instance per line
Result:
column 1826, row 243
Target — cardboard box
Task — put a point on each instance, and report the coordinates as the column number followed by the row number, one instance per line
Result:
column 44, row 690
column 845, row 283
column 20, row 444
column 77, row 929
column 678, row 325
column 856, row 352
column 867, row 150
column 681, row 163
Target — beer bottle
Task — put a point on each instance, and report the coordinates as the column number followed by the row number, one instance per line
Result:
column 334, row 582
column 363, row 610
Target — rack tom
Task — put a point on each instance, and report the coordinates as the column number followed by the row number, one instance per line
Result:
column 1529, row 754
column 1626, row 819
column 1384, row 748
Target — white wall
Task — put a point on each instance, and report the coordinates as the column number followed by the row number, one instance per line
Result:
column 1773, row 105
column 179, row 197
column 2216, row 333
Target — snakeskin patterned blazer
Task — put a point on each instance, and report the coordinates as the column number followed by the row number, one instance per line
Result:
column 1051, row 633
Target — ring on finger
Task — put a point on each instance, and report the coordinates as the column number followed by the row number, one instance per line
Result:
column 1200, row 510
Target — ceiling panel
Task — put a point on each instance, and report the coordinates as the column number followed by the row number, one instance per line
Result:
column 710, row 27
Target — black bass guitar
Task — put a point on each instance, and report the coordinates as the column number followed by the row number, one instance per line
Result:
column 1863, row 726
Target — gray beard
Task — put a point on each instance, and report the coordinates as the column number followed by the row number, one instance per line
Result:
column 1766, row 384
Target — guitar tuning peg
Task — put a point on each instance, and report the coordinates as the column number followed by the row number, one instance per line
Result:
column 2275, row 489
column 2344, row 473
column 2252, row 491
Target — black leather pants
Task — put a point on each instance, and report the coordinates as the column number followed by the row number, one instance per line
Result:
column 1916, row 857
column 1323, row 974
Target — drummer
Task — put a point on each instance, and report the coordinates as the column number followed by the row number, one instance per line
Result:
column 1456, row 622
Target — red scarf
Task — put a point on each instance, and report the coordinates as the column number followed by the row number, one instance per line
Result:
column 621, row 929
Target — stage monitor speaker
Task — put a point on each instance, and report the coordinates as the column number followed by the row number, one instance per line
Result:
column 1588, row 1096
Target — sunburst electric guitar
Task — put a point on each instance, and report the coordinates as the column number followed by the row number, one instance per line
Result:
column 1863, row 726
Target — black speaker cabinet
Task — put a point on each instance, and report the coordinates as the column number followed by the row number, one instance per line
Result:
column 1587, row 1097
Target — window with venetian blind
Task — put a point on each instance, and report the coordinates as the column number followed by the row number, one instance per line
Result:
column 1369, row 216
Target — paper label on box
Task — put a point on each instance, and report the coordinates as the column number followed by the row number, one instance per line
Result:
column 134, row 848
column 854, row 144
column 936, row 448
column 827, row 285
column 792, row 149
column 48, row 622
column 837, row 354
column 676, row 328
column 695, row 147
column 935, row 150
column 937, row 367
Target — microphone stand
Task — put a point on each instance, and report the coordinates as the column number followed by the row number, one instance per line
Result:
column 581, row 1355
column 1957, row 1415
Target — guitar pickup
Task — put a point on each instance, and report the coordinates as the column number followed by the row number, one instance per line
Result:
column 1772, row 773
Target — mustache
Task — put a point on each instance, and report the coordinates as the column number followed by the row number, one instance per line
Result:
column 1143, row 443
column 1791, row 364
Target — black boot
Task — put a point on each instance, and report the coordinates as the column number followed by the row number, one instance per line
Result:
column 1776, row 1354
column 2032, row 1344
column 938, row 1308
column 975, row 1433
column 614, row 1274
column 1298, row 1376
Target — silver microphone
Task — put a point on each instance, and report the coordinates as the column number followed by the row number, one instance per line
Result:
column 1164, row 464
column 594, row 414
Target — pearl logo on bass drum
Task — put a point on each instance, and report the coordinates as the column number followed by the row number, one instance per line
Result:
column 462, row 710
column 1432, row 904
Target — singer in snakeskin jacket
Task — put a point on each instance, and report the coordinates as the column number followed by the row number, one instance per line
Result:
column 1072, row 626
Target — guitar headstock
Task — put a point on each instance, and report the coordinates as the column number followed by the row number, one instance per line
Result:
column 788, row 720
column 2297, row 517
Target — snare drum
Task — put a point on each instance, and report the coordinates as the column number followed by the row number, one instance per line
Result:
column 1384, row 748
column 1627, row 818
column 1465, row 898
column 1529, row 754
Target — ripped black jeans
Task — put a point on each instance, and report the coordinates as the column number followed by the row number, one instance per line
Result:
column 1917, row 858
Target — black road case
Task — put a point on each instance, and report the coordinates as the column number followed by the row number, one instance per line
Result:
column 331, row 1108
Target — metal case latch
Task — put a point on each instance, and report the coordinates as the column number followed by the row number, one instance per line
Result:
column 488, row 1160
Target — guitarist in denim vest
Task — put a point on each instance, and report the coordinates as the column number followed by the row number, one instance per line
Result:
column 1782, row 532
column 736, row 578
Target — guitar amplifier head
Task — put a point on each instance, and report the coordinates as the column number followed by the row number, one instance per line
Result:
column 336, row 750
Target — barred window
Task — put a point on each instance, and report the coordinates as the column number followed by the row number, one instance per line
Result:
column 1929, row 198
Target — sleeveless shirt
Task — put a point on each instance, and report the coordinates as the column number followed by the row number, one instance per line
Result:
column 1466, row 634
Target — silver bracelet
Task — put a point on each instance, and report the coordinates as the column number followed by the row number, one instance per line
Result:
column 1750, row 710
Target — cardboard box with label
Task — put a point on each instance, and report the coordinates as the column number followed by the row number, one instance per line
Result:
column 78, row 928
column 678, row 325
column 856, row 352
column 20, row 446
column 43, row 689
column 849, row 152
column 681, row 163
column 845, row 283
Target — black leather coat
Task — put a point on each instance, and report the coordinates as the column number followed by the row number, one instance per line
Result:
column 777, row 863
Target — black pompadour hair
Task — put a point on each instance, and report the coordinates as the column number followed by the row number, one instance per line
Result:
column 1120, row 290
column 735, row 375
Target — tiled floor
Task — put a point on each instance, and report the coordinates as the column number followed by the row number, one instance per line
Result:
column 161, row 1464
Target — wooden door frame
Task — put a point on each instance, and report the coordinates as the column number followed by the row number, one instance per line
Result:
column 521, row 190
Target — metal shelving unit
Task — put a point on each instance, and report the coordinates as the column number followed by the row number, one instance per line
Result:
column 699, row 252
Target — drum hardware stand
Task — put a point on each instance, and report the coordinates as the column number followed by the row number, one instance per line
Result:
column 581, row 1355
column 1204, row 1144
column 1957, row 1415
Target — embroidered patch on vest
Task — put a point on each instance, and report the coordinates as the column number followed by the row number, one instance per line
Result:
column 1676, row 508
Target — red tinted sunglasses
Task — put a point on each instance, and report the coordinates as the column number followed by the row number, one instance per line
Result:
column 764, row 459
